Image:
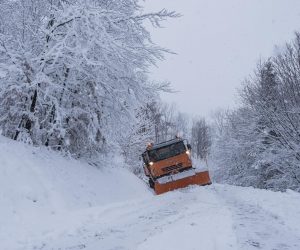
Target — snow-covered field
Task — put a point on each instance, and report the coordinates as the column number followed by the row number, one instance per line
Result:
column 50, row 202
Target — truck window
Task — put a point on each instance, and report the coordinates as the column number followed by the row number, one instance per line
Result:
column 166, row 152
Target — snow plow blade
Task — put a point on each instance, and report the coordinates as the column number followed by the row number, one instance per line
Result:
column 181, row 180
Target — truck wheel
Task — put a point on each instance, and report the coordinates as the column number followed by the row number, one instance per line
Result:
column 151, row 183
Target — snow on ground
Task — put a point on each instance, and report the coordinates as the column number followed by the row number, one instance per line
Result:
column 263, row 219
column 38, row 187
column 50, row 202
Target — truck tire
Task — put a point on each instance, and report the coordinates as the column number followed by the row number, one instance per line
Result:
column 151, row 183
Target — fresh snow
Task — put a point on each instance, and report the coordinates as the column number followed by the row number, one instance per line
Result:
column 51, row 202
column 40, row 188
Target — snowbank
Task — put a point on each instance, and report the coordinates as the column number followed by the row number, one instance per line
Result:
column 38, row 186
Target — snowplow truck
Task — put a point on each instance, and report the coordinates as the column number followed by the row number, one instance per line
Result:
column 168, row 166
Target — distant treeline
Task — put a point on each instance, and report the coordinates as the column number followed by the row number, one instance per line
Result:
column 258, row 144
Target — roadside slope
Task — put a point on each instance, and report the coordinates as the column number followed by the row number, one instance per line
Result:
column 37, row 186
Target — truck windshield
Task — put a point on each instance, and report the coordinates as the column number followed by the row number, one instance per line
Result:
column 166, row 152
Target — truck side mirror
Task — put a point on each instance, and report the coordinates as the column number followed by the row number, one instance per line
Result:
column 189, row 146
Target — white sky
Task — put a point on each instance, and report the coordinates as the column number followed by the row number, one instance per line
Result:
column 218, row 43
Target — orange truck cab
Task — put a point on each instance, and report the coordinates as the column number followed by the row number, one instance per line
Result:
column 168, row 166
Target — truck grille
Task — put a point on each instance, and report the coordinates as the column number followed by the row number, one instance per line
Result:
column 171, row 168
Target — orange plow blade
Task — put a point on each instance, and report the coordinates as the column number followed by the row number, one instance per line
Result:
column 181, row 180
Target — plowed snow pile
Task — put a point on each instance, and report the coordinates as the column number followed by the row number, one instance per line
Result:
column 50, row 202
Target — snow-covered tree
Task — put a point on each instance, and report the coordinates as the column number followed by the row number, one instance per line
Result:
column 259, row 143
column 200, row 138
column 75, row 71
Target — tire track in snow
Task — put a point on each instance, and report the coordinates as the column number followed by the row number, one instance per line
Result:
column 257, row 228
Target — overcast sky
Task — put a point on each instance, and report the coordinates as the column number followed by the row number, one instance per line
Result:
column 218, row 43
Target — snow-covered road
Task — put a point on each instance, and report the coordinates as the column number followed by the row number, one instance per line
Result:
column 190, row 219
column 258, row 225
column 48, row 202
column 214, row 217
